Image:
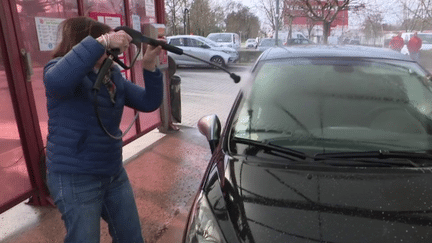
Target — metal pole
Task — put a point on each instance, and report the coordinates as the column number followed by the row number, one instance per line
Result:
column 277, row 21
column 184, row 21
column 188, row 22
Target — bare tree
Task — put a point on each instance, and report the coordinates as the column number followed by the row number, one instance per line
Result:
column 373, row 25
column 310, row 25
column 268, row 7
column 324, row 11
column 289, row 14
column 202, row 18
column 174, row 15
column 219, row 17
column 244, row 22
column 416, row 14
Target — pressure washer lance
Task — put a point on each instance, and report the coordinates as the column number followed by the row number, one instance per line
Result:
column 137, row 39
column 137, row 36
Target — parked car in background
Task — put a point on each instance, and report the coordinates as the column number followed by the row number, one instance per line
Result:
column 266, row 43
column 322, row 144
column 297, row 41
column 226, row 39
column 345, row 41
column 203, row 48
column 354, row 42
column 251, row 43
column 284, row 35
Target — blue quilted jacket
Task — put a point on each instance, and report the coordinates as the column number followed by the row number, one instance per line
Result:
column 76, row 141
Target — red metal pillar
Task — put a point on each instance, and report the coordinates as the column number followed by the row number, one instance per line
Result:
column 23, row 102
column 160, row 11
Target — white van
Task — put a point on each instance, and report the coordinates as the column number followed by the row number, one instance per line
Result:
column 226, row 39
column 282, row 34
column 425, row 37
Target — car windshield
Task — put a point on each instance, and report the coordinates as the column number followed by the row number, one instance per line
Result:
column 333, row 105
column 208, row 41
column 222, row 37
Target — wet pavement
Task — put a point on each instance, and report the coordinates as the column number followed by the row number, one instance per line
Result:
column 164, row 176
column 165, row 169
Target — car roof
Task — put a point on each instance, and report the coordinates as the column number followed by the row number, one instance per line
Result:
column 332, row 51
column 182, row 36
column 267, row 39
column 221, row 33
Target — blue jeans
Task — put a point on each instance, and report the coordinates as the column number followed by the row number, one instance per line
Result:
column 84, row 199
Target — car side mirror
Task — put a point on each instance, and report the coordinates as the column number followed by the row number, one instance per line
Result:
column 205, row 46
column 210, row 127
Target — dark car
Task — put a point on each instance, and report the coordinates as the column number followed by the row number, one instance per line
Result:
column 323, row 144
column 354, row 42
column 266, row 43
column 298, row 41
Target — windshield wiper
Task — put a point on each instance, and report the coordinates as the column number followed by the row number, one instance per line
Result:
column 380, row 156
column 272, row 148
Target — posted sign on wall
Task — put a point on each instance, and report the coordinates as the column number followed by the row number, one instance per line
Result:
column 46, row 29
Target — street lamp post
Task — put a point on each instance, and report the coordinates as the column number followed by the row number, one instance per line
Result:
column 186, row 16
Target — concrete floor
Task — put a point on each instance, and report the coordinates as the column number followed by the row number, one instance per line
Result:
column 165, row 171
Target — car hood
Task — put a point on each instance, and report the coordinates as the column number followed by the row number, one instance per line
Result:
column 225, row 44
column 274, row 202
column 223, row 48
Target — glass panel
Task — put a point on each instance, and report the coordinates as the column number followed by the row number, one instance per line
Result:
column 144, row 9
column 104, row 6
column 14, row 178
column 104, row 11
column 39, row 20
column 140, row 16
column 148, row 120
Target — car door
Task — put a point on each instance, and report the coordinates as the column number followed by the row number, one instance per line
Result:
column 198, row 48
column 297, row 42
column 179, row 42
column 304, row 41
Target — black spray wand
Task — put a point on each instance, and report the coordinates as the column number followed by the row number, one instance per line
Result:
column 138, row 37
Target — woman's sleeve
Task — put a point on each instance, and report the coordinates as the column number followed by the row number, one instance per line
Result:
column 62, row 75
column 145, row 99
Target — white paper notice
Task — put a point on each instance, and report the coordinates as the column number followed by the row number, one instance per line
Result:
column 46, row 29
column 150, row 8
column 113, row 22
column 136, row 22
